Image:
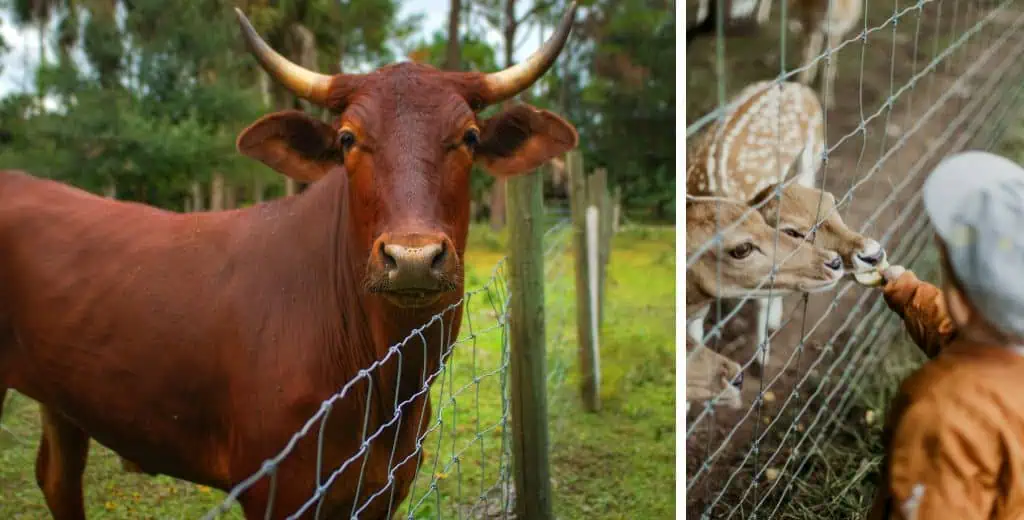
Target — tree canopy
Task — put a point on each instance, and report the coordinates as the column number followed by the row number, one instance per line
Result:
column 143, row 99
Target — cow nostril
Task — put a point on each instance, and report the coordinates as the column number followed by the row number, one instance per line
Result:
column 835, row 263
column 440, row 257
column 389, row 261
column 738, row 381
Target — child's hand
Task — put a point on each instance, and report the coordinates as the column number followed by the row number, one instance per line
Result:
column 875, row 277
column 891, row 273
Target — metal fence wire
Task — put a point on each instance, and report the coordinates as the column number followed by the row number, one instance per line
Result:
column 465, row 470
column 915, row 81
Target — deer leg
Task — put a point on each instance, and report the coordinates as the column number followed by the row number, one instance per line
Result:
column 703, row 10
column 695, row 329
column 808, row 174
column 769, row 319
column 695, row 325
column 830, row 73
column 815, row 40
column 60, row 464
column 764, row 10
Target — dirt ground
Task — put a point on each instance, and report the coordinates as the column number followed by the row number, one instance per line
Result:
column 948, row 88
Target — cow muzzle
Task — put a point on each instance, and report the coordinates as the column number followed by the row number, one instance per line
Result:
column 413, row 269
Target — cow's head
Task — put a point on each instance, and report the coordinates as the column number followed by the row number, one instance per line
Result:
column 406, row 138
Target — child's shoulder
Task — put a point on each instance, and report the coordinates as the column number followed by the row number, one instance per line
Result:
column 966, row 373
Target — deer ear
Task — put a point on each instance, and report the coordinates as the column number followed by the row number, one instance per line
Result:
column 522, row 138
column 292, row 143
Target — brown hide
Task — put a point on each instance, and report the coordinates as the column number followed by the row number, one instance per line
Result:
column 196, row 344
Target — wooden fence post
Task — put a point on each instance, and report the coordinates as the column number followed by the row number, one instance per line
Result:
column 616, row 209
column 599, row 199
column 525, row 217
column 586, row 320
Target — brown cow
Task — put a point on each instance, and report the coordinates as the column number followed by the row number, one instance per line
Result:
column 195, row 345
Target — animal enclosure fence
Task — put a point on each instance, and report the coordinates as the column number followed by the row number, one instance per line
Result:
column 915, row 81
column 469, row 466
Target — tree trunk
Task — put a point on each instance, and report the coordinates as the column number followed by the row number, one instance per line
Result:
column 217, row 192
column 305, row 54
column 257, row 190
column 498, row 189
column 453, row 55
column 230, row 195
column 197, row 196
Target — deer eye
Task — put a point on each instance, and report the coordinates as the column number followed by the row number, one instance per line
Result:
column 794, row 233
column 471, row 138
column 346, row 140
column 742, row 251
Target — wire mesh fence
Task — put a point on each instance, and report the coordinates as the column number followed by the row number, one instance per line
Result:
column 461, row 446
column 914, row 81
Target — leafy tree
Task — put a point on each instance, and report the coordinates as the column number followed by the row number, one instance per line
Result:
column 629, row 97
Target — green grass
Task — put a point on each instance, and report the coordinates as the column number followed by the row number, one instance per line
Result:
column 618, row 463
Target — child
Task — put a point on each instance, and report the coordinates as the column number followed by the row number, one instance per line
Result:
column 955, row 435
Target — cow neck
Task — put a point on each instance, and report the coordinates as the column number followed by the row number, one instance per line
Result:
column 365, row 325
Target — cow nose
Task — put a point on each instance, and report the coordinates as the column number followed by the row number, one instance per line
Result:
column 415, row 263
column 399, row 258
column 835, row 263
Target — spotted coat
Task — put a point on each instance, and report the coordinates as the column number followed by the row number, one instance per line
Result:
column 755, row 143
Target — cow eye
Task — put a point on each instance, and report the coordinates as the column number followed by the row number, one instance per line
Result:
column 794, row 233
column 742, row 251
column 346, row 140
column 471, row 138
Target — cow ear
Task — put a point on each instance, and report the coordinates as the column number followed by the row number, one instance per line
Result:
column 292, row 143
column 522, row 138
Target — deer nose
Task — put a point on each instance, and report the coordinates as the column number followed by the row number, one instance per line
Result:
column 738, row 381
column 872, row 254
column 835, row 263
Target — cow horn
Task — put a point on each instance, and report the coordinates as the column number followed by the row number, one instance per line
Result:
column 302, row 82
column 517, row 78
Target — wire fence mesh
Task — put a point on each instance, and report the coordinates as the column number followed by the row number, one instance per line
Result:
column 462, row 445
column 914, row 81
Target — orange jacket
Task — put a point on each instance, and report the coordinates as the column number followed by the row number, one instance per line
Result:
column 923, row 310
column 955, row 433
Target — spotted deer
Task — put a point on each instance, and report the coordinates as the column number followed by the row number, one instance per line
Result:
column 748, row 252
column 772, row 134
column 819, row 21
column 711, row 376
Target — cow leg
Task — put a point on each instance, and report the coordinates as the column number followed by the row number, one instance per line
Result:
column 130, row 467
column 60, row 464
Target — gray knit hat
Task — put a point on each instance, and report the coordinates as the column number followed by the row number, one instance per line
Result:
column 975, row 201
